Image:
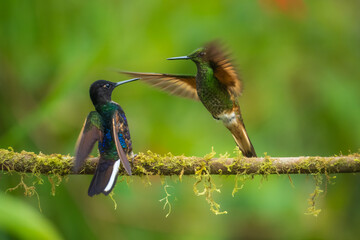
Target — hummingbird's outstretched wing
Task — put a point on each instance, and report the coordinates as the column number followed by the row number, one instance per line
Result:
column 119, row 132
column 90, row 133
column 224, row 70
column 180, row 85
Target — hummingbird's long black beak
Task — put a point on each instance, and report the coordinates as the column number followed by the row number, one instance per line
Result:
column 179, row 58
column 126, row 81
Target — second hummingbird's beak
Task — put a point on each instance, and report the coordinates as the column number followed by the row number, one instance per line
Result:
column 179, row 58
column 126, row 81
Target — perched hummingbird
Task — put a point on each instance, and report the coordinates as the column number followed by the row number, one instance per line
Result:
column 108, row 126
column 216, row 84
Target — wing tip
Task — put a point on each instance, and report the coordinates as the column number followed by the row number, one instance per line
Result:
column 77, row 165
column 127, row 167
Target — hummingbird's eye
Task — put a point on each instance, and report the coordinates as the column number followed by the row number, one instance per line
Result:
column 202, row 54
column 106, row 85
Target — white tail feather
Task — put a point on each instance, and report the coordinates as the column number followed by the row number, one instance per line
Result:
column 115, row 171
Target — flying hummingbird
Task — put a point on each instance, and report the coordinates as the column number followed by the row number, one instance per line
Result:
column 216, row 84
column 108, row 126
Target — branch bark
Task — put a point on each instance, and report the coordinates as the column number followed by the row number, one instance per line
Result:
column 153, row 164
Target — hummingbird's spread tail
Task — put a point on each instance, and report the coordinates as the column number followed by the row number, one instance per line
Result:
column 104, row 178
column 236, row 126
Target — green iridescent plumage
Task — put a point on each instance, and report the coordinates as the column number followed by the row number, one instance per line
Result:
column 211, row 92
column 107, row 126
column 216, row 84
column 93, row 119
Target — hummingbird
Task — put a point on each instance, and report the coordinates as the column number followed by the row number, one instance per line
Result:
column 108, row 126
column 217, row 85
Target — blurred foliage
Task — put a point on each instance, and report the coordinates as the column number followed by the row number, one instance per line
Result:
column 300, row 67
column 25, row 222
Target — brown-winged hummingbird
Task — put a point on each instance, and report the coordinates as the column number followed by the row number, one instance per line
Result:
column 216, row 84
column 108, row 126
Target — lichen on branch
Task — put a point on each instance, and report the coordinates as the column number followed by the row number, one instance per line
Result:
column 56, row 165
column 168, row 164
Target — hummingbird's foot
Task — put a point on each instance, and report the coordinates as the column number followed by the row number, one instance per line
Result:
column 133, row 156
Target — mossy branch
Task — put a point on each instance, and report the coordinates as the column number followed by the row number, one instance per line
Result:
column 154, row 164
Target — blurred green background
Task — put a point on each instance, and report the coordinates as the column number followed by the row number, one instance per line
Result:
column 300, row 65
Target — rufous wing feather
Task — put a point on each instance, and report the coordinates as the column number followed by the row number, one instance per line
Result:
column 223, row 68
column 179, row 85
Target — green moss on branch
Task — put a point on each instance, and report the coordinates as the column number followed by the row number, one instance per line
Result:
column 155, row 164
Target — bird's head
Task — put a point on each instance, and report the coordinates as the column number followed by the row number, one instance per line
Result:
column 197, row 56
column 101, row 90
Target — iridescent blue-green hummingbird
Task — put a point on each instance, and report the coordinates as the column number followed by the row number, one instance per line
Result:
column 216, row 84
column 108, row 126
